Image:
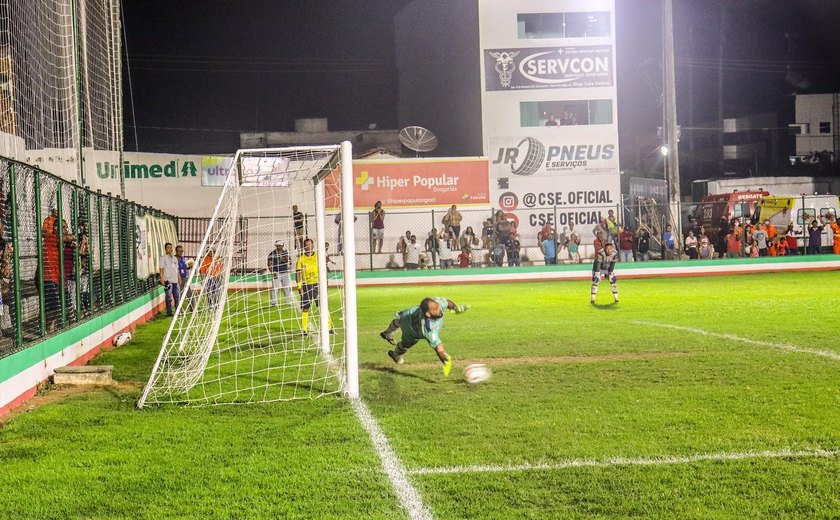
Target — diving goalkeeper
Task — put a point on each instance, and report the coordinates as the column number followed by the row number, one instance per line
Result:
column 423, row 321
column 604, row 266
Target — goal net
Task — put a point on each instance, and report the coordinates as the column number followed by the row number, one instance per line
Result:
column 269, row 312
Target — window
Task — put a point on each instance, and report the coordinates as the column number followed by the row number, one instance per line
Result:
column 825, row 127
column 565, row 113
column 805, row 216
column 535, row 26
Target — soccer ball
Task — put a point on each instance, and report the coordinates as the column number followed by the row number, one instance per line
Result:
column 122, row 338
column 477, row 373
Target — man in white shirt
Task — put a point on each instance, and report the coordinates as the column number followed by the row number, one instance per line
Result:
column 412, row 254
column 169, row 278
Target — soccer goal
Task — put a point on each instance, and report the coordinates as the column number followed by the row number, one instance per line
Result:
column 268, row 313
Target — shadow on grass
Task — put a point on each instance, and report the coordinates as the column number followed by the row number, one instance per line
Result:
column 393, row 371
column 612, row 306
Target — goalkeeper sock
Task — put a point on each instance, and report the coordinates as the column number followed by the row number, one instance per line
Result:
column 392, row 327
column 305, row 321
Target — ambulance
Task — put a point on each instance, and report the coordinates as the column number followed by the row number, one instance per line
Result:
column 783, row 210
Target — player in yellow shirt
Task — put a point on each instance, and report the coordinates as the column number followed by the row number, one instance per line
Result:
column 306, row 275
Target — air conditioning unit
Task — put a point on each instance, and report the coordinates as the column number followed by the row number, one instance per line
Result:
column 799, row 128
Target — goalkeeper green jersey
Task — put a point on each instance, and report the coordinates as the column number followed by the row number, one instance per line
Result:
column 416, row 326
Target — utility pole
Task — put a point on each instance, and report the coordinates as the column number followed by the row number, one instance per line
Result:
column 671, row 137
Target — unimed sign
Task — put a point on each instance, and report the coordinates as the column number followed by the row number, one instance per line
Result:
column 420, row 182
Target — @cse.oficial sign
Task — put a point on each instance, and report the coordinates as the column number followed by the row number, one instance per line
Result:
column 548, row 67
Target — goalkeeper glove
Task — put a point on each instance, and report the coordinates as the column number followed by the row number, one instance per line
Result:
column 461, row 308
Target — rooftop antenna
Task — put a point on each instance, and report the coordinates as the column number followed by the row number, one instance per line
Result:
column 418, row 139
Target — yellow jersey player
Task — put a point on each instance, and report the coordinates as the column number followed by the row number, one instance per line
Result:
column 306, row 275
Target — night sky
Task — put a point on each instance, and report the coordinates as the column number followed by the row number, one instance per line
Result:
column 202, row 71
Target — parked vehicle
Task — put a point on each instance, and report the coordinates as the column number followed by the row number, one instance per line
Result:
column 783, row 210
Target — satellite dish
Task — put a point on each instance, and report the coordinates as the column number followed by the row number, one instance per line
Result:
column 418, row 139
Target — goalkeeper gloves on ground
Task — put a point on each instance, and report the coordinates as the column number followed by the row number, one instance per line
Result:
column 461, row 308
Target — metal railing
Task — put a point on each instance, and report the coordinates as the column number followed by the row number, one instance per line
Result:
column 66, row 254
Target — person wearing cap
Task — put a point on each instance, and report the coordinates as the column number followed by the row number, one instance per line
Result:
column 278, row 267
column 603, row 267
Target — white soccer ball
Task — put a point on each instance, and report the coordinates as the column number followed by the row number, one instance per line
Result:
column 477, row 373
column 122, row 338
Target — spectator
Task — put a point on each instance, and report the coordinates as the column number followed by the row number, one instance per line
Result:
column 691, row 245
column 447, row 249
column 706, row 251
column 211, row 270
column 643, row 245
column 835, row 229
column 754, row 250
column 551, row 121
column 469, row 240
column 337, row 221
column 513, row 250
column 725, row 228
column 452, row 220
column 574, row 248
column 771, row 231
column 499, row 253
column 791, row 241
column 487, row 233
column 169, row 278
column 51, row 270
column 669, row 243
column 502, row 228
column 733, row 244
column 464, row 258
column 760, row 239
column 298, row 221
column 610, row 224
column 402, row 244
column 412, row 254
column 781, row 246
column 183, row 270
column 69, row 268
column 279, row 266
column 772, row 247
column 392, row 263
column 626, row 241
column 432, row 243
column 377, row 227
column 84, row 275
column 549, row 250
column 815, row 238
column 544, row 233
column 565, row 120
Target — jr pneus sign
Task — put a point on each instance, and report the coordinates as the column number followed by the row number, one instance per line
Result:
column 527, row 156
column 548, row 67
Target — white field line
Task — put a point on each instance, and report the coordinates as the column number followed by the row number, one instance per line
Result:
column 408, row 495
column 623, row 461
column 779, row 346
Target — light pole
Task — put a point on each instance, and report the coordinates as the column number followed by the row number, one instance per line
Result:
column 669, row 130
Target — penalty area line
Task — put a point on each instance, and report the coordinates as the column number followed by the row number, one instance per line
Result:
column 778, row 346
column 407, row 494
column 624, row 461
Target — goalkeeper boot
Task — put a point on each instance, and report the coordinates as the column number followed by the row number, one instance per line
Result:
column 387, row 337
column 447, row 366
column 397, row 359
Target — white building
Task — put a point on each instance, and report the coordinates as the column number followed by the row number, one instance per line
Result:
column 816, row 127
column 488, row 75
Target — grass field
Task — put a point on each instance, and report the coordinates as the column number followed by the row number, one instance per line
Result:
column 708, row 397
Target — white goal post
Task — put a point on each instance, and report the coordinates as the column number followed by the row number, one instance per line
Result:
column 268, row 311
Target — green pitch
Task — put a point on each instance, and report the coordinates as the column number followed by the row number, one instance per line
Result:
column 709, row 397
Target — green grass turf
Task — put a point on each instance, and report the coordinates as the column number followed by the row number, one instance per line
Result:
column 571, row 381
